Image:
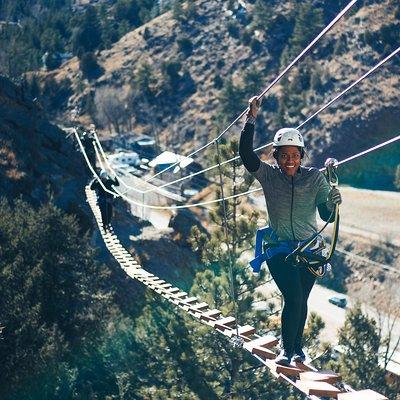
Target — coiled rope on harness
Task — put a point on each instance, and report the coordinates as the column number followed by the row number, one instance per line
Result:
column 309, row 253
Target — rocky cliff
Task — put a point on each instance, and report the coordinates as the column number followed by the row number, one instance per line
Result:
column 37, row 160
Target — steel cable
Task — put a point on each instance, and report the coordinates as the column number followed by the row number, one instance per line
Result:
column 225, row 219
column 325, row 106
column 204, row 203
column 264, row 92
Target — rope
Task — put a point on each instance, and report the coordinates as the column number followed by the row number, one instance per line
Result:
column 205, row 203
column 264, row 92
column 191, row 305
column 231, row 277
column 329, row 103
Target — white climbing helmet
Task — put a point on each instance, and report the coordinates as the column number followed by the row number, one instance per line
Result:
column 288, row 137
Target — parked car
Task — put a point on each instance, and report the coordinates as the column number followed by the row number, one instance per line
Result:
column 339, row 301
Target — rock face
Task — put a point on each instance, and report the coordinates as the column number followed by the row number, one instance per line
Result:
column 37, row 161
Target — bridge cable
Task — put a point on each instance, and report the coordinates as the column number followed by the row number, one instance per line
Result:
column 225, row 224
column 325, row 106
column 199, row 204
column 264, row 92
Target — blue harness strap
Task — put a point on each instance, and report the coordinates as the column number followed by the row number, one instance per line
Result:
column 266, row 235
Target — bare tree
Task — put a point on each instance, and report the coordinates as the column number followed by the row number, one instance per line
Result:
column 110, row 108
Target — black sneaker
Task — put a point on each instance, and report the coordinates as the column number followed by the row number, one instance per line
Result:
column 299, row 356
column 283, row 358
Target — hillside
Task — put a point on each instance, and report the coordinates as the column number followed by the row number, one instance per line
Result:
column 37, row 161
column 201, row 70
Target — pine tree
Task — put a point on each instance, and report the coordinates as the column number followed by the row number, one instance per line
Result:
column 359, row 364
column 53, row 298
column 309, row 22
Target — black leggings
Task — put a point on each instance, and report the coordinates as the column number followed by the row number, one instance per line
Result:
column 106, row 210
column 295, row 284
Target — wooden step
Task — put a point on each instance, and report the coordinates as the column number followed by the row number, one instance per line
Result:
column 267, row 342
column 190, row 300
column 179, row 295
column 150, row 278
column 321, row 389
column 224, row 323
column 367, row 394
column 210, row 315
column 165, row 285
column 196, row 314
column 263, row 352
column 172, row 290
column 281, row 369
column 199, row 307
column 320, row 376
column 158, row 282
column 247, row 330
column 244, row 332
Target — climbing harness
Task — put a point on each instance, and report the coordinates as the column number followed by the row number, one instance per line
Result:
column 311, row 253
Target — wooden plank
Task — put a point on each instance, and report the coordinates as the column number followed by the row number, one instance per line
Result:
column 267, row 342
column 194, row 313
column 320, row 376
column 172, row 290
column 281, row 369
column 264, row 353
column 321, row 389
column 247, row 330
column 224, row 323
column 210, row 315
column 179, row 295
column 190, row 300
column 158, row 282
column 305, row 367
column 367, row 394
column 199, row 307
column 244, row 332
column 165, row 285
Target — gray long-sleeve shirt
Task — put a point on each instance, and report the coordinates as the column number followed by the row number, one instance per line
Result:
column 291, row 201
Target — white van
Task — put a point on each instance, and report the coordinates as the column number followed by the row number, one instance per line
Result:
column 127, row 158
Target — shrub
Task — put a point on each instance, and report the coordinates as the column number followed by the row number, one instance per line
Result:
column 397, row 178
column 89, row 66
column 218, row 82
column 233, row 29
column 255, row 45
column 185, row 46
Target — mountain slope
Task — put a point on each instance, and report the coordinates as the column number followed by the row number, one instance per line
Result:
column 36, row 160
column 218, row 44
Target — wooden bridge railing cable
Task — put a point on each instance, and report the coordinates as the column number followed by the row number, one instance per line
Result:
column 313, row 383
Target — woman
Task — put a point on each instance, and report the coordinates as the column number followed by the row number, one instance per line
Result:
column 292, row 193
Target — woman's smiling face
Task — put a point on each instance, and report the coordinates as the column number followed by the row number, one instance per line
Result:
column 289, row 159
